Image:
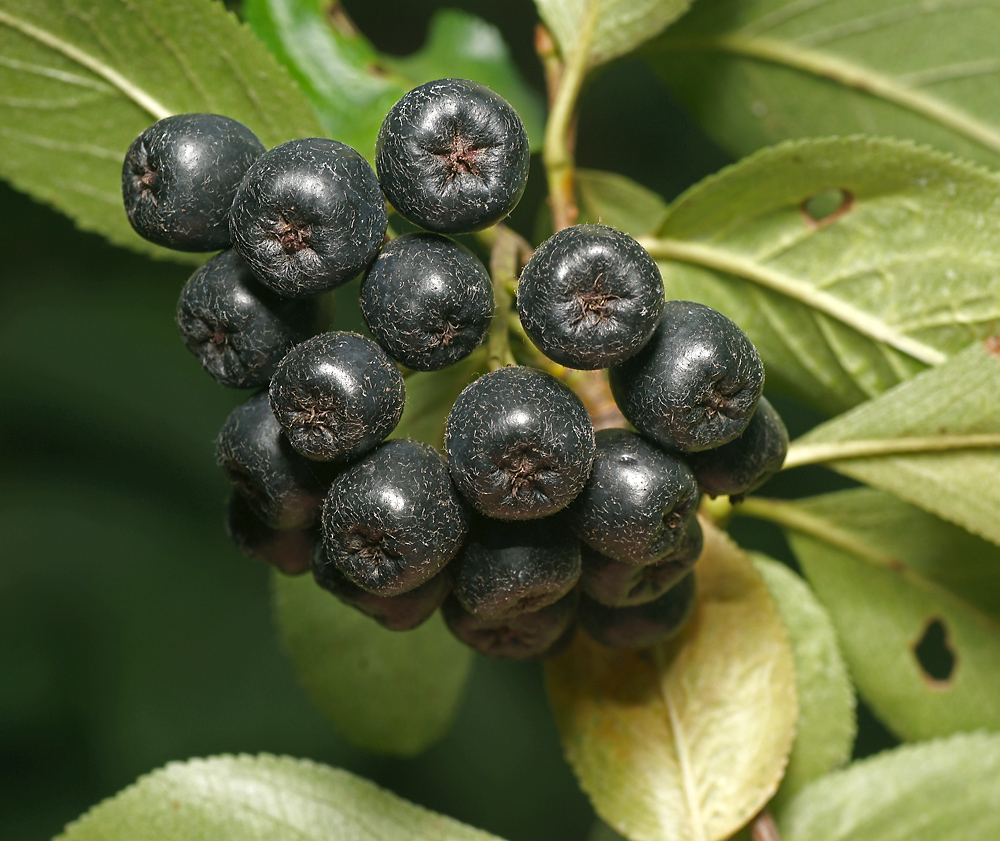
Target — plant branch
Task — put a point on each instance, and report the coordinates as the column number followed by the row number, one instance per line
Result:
column 801, row 454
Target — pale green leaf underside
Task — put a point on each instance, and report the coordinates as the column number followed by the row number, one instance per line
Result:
column 79, row 80
column 758, row 71
column 606, row 198
column 688, row 740
column 607, row 29
column 826, row 726
column 940, row 436
column 235, row 798
column 386, row 691
column 903, row 275
column 946, row 790
column 878, row 566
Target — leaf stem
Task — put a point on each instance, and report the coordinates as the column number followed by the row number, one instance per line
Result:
column 800, row 454
column 764, row 828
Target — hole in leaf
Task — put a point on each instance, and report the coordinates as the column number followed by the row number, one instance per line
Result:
column 826, row 207
column 935, row 655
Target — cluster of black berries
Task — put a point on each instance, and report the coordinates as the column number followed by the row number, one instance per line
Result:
column 532, row 524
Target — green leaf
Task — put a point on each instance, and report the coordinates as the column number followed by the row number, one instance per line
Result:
column 687, row 740
column 933, row 441
column 606, row 29
column 926, row 659
column 460, row 45
column 945, row 790
column 80, row 83
column 352, row 86
column 754, row 72
column 336, row 67
column 233, row 798
column 901, row 272
column 386, row 691
column 606, row 198
column 826, row 726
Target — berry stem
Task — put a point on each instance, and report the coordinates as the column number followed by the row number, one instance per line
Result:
column 507, row 249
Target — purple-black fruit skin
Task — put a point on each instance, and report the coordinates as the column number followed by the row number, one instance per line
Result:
column 520, row 444
column 287, row 550
column 337, row 395
column 643, row 625
column 528, row 636
column 237, row 328
column 282, row 487
column 590, row 297
column 452, row 156
column 506, row 569
column 404, row 612
column 695, row 385
column 393, row 519
column 637, row 502
column 427, row 300
column 308, row 216
column 180, row 176
column 615, row 584
column 744, row 464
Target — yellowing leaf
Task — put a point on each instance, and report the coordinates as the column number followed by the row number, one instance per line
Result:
column 688, row 740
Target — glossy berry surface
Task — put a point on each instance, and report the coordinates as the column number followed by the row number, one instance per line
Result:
column 237, row 328
column 642, row 625
column 506, row 569
column 746, row 463
column 638, row 501
column 281, row 487
column 308, row 216
column 392, row 520
column 337, row 395
column 520, row 444
column 427, row 300
column 452, row 156
column 527, row 636
column 590, row 297
column 613, row 583
column 696, row 383
column 180, row 177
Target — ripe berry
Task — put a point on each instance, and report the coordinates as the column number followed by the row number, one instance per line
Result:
column 180, row 176
column 527, row 636
column 308, row 216
column 283, row 488
column 695, row 385
column 393, row 519
column 427, row 300
column 621, row 585
column 452, row 156
column 287, row 550
column 505, row 570
column 642, row 625
column 590, row 297
column 239, row 329
column 746, row 463
column 337, row 395
column 638, row 501
column 520, row 444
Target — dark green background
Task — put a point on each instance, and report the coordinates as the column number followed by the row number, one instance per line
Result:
column 131, row 632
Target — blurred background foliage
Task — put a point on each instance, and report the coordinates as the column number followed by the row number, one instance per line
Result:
column 132, row 633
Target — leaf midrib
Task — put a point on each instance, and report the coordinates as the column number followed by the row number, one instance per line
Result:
column 144, row 100
column 720, row 260
column 848, row 74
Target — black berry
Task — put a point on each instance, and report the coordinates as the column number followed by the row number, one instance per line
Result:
column 308, row 216
column 337, row 395
column 638, row 501
column 590, row 297
column 452, row 156
column 696, row 383
column 239, row 329
column 180, row 176
column 427, row 300
column 520, row 444
column 642, row 625
column 287, row 550
column 393, row 519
